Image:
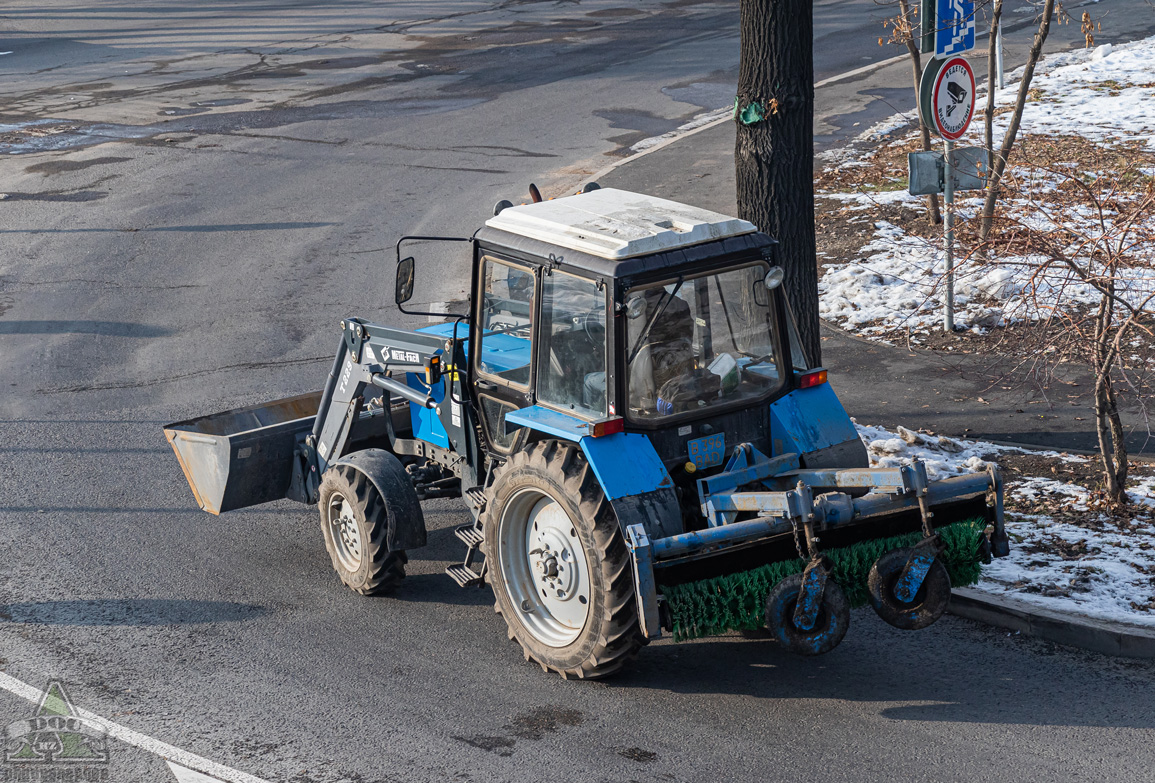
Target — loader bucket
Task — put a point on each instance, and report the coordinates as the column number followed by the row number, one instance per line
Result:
column 242, row 457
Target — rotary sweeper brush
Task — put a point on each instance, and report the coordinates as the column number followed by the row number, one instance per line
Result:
column 626, row 410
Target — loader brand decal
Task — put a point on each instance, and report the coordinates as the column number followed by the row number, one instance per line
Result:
column 708, row 451
column 56, row 741
column 345, row 375
column 388, row 355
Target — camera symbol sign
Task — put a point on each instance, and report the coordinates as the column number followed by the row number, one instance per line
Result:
column 953, row 98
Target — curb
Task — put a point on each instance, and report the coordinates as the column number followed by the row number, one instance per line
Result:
column 675, row 136
column 1108, row 638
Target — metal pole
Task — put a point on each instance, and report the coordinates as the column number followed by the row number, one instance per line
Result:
column 999, row 54
column 948, row 237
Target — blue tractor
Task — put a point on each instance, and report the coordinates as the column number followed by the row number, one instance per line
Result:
column 624, row 406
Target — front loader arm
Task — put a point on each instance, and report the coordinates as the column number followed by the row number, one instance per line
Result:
column 372, row 355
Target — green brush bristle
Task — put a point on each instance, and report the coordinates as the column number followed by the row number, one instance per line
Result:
column 736, row 602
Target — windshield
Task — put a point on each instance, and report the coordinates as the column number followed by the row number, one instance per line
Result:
column 698, row 342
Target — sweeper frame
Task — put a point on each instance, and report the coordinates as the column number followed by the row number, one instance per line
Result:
column 625, row 408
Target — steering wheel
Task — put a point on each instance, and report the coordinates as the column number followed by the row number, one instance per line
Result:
column 506, row 329
column 585, row 320
column 754, row 362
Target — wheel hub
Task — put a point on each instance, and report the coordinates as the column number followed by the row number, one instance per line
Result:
column 554, row 563
column 544, row 567
column 345, row 532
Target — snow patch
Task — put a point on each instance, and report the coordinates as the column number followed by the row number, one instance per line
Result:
column 1106, row 573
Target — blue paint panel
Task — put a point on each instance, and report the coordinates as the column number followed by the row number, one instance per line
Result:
column 503, row 352
column 551, row 422
column 708, row 451
column 427, row 424
column 445, row 330
column 807, row 420
column 499, row 352
column 625, row 464
column 954, row 28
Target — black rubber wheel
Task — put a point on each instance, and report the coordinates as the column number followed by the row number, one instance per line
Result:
column 558, row 564
column 829, row 628
column 355, row 524
column 929, row 602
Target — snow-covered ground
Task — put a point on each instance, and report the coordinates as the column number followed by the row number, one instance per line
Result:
column 1102, row 94
column 1101, row 570
column 1105, row 95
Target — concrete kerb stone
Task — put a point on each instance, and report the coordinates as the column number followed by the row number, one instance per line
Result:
column 866, row 69
column 1108, row 638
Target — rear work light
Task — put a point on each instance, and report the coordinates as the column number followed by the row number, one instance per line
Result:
column 608, row 426
column 811, row 378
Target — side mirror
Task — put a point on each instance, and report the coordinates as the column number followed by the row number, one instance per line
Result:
column 404, row 290
column 774, row 277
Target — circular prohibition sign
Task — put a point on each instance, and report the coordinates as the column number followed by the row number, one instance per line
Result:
column 952, row 99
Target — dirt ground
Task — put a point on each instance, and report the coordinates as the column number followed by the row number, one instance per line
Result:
column 844, row 229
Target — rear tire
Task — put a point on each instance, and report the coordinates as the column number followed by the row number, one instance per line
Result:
column 558, row 564
column 355, row 524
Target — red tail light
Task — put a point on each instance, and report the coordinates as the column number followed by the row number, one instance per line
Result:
column 811, row 379
column 607, row 427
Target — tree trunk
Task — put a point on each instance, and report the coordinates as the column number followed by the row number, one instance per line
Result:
column 992, row 80
column 1108, row 425
column 916, row 66
column 999, row 161
column 774, row 152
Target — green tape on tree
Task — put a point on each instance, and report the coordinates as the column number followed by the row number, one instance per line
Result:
column 750, row 115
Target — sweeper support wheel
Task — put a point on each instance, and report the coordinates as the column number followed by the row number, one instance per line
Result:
column 830, row 621
column 891, row 595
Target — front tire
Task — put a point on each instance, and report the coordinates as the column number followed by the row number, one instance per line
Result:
column 355, row 524
column 558, row 564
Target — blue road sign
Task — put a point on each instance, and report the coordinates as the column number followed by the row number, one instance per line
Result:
column 955, row 31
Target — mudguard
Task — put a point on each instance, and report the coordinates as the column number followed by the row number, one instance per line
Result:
column 403, row 510
column 626, row 465
column 635, row 482
column 813, row 424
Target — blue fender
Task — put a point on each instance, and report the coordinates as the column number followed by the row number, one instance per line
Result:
column 626, row 465
column 813, row 424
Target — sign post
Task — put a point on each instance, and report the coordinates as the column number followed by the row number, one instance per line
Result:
column 947, row 104
column 948, row 240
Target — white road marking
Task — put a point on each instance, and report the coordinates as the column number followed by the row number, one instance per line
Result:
column 191, row 761
column 186, row 775
column 729, row 117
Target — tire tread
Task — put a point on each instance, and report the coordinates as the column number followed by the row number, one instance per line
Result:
column 618, row 638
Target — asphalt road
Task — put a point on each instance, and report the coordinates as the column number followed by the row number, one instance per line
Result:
column 208, row 188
